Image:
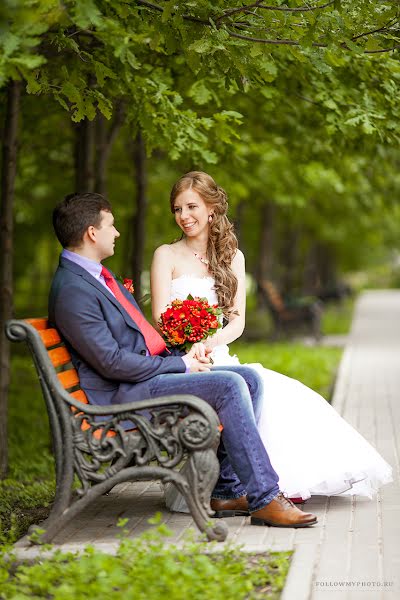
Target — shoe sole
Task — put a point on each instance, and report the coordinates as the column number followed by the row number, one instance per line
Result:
column 223, row 514
column 262, row 522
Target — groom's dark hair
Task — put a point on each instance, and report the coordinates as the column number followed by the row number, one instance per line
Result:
column 73, row 215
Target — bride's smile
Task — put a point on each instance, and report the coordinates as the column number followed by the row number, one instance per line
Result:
column 192, row 214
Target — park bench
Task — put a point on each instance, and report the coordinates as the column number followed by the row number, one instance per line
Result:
column 301, row 313
column 92, row 448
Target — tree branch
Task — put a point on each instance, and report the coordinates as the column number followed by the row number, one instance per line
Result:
column 384, row 28
column 298, row 9
column 234, row 11
column 277, row 42
column 247, row 8
column 294, row 43
column 160, row 9
column 258, row 4
column 384, row 50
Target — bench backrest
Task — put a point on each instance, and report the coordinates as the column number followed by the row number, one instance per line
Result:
column 59, row 357
column 272, row 295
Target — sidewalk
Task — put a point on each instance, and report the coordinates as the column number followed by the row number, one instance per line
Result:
column 356, row 540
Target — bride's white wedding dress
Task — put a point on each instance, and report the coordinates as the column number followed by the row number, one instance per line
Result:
column 313, row 450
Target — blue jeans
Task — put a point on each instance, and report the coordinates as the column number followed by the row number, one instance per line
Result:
column 236, row 395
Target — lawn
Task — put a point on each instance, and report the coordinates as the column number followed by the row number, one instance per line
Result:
column 315, row 366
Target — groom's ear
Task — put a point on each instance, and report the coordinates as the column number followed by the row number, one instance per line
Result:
column 90, row 233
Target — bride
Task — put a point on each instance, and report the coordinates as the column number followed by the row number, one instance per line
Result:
column 311, row 447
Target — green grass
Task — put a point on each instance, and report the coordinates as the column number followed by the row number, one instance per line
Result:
column 315, row 366
column 336, row 318
column 148, row 568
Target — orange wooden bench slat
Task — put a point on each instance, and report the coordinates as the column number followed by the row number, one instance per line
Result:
column 59, row 356
column 39, row 324
column 81, row 396
column 68, row 379
column 50, row 337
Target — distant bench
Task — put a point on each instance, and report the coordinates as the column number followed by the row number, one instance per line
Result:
column 302, row 313
column 101, row 453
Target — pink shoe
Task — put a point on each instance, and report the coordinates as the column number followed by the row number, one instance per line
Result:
column 297, row 500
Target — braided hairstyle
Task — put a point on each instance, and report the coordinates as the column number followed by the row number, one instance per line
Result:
column 222, row 242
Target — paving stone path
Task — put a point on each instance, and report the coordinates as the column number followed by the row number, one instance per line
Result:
column 354, row 550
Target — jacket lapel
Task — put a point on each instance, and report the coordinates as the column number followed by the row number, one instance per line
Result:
column 78, row 270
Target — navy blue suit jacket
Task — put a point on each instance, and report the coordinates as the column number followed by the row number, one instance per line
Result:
column 108, row 350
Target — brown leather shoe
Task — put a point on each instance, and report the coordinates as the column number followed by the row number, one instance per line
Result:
column 281, row 512
column 235, row 507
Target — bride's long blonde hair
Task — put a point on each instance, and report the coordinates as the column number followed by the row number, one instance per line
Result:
column 222, row 242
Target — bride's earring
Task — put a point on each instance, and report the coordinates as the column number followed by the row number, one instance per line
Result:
column 210, row 218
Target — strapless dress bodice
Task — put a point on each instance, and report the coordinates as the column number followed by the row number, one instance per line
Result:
column 202, row 287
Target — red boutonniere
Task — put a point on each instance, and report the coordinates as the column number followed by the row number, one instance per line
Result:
column 128, row 284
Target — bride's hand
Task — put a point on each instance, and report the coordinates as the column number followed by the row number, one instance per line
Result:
column 198, row 359
column 199, row 351
column 210, row 343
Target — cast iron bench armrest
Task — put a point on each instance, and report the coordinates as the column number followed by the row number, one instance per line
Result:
column 103, row 453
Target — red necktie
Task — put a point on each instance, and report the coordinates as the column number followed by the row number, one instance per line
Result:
column 153, row 339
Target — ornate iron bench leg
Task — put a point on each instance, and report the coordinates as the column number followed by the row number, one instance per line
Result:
column 201, row 473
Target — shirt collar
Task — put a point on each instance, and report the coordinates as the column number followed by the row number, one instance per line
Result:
column 92, row 267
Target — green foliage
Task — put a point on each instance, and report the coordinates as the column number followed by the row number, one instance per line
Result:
column 309, row 124
column 314, row 366
column 29, row 487
column 149, row 568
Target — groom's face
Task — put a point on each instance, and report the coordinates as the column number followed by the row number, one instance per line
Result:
column 105, row 235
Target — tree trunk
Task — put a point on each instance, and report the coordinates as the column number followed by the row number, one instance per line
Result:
column 139, row 219
column 84, row 156
column 238, row 222
column 311, row 281
column 105, row 139
column 265, row 249
column 290, row 260
column 9, row 164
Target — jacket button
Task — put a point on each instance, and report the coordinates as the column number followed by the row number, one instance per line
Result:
column 143, row 352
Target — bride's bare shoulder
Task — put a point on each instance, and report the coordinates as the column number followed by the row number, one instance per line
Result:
column 166, row 256
column 168, row 250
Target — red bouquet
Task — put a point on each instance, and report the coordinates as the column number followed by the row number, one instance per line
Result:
column 188, row 321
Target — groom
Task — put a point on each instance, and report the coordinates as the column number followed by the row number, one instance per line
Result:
column 121, row 358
